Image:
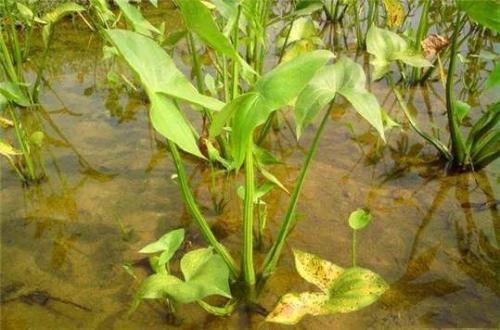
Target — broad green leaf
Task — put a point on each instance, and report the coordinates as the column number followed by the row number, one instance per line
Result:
column 387, row 47
column 156, row 69
column 167, row 244
column 343, row 290
column 292, row 307
column 169, row 122
column 302, row 28
column 206, row 272
column 359, row 219
column 355, row 289
column 221, row 118
column 274, row 90
column 494, row 77
column 461, row 110
column 134, row 17
column 346, row 78
column 160, row 76
column 199, row 20
column 484, row 12
column 13, row 93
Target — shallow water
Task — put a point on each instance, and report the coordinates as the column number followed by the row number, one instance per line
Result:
column 109, row 192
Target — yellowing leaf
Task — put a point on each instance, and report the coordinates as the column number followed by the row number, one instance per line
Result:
column 315, row 270
column 395, row 13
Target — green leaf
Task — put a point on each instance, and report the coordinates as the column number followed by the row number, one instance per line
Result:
column 343, row 290
column 387, row 47
column 199, row 20
column 494, row 77
column 169, row 122
column 484, row 12
column 61, row 11
column 274, row 90
column 25, row 12
column 156, row 69
column 55, row 15
column 206, row 273
column 346, row 78
column 359, row 219
column 14, row 94
column 316, row 270
column 160, row 77
column 134, row 17
column 167, row 244
column 461, row 110
column 355, row 289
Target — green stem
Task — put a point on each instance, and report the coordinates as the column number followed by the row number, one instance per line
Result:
column 421, row 32
column 354, row 248
column 7, row 59
column 236, row 65
column 196, row 213
column 402, row 103
column 457, row 141
column 247, row 253
column 22, row 140
column 273, row 255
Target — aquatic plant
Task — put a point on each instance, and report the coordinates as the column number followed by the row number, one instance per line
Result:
column 14, row 89
column 306, row 77
column 481, row 146
column 343, row 290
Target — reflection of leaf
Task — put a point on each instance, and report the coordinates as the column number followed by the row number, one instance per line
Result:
column 344, row 290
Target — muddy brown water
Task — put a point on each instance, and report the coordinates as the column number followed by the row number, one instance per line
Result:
column 64, row 243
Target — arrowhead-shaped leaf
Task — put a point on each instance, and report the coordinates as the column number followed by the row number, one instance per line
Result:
column 346, row 78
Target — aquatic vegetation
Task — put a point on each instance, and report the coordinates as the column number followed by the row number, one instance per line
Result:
column 205, row 274
column 343, row 290
column 306, row 77
column 481, row 146
column 14, row 89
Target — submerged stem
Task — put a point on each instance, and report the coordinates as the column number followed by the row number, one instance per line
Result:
column 273, row 255
column 196, row 213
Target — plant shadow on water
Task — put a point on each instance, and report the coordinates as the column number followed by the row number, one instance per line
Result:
column 63, row 243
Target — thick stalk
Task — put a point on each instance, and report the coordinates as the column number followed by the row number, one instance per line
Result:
column 457, row 141
column 7, row 59
column 22, row 140
column 196, row 213
column 273, row 255
column 247, row 253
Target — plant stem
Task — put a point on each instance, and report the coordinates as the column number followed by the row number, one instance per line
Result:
column 457, row 141
column 273, row 255
column 247, row 253
column 354, row 248
column 196, row 213
column 236, row 73
column 402, row 103
column 421, row 32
